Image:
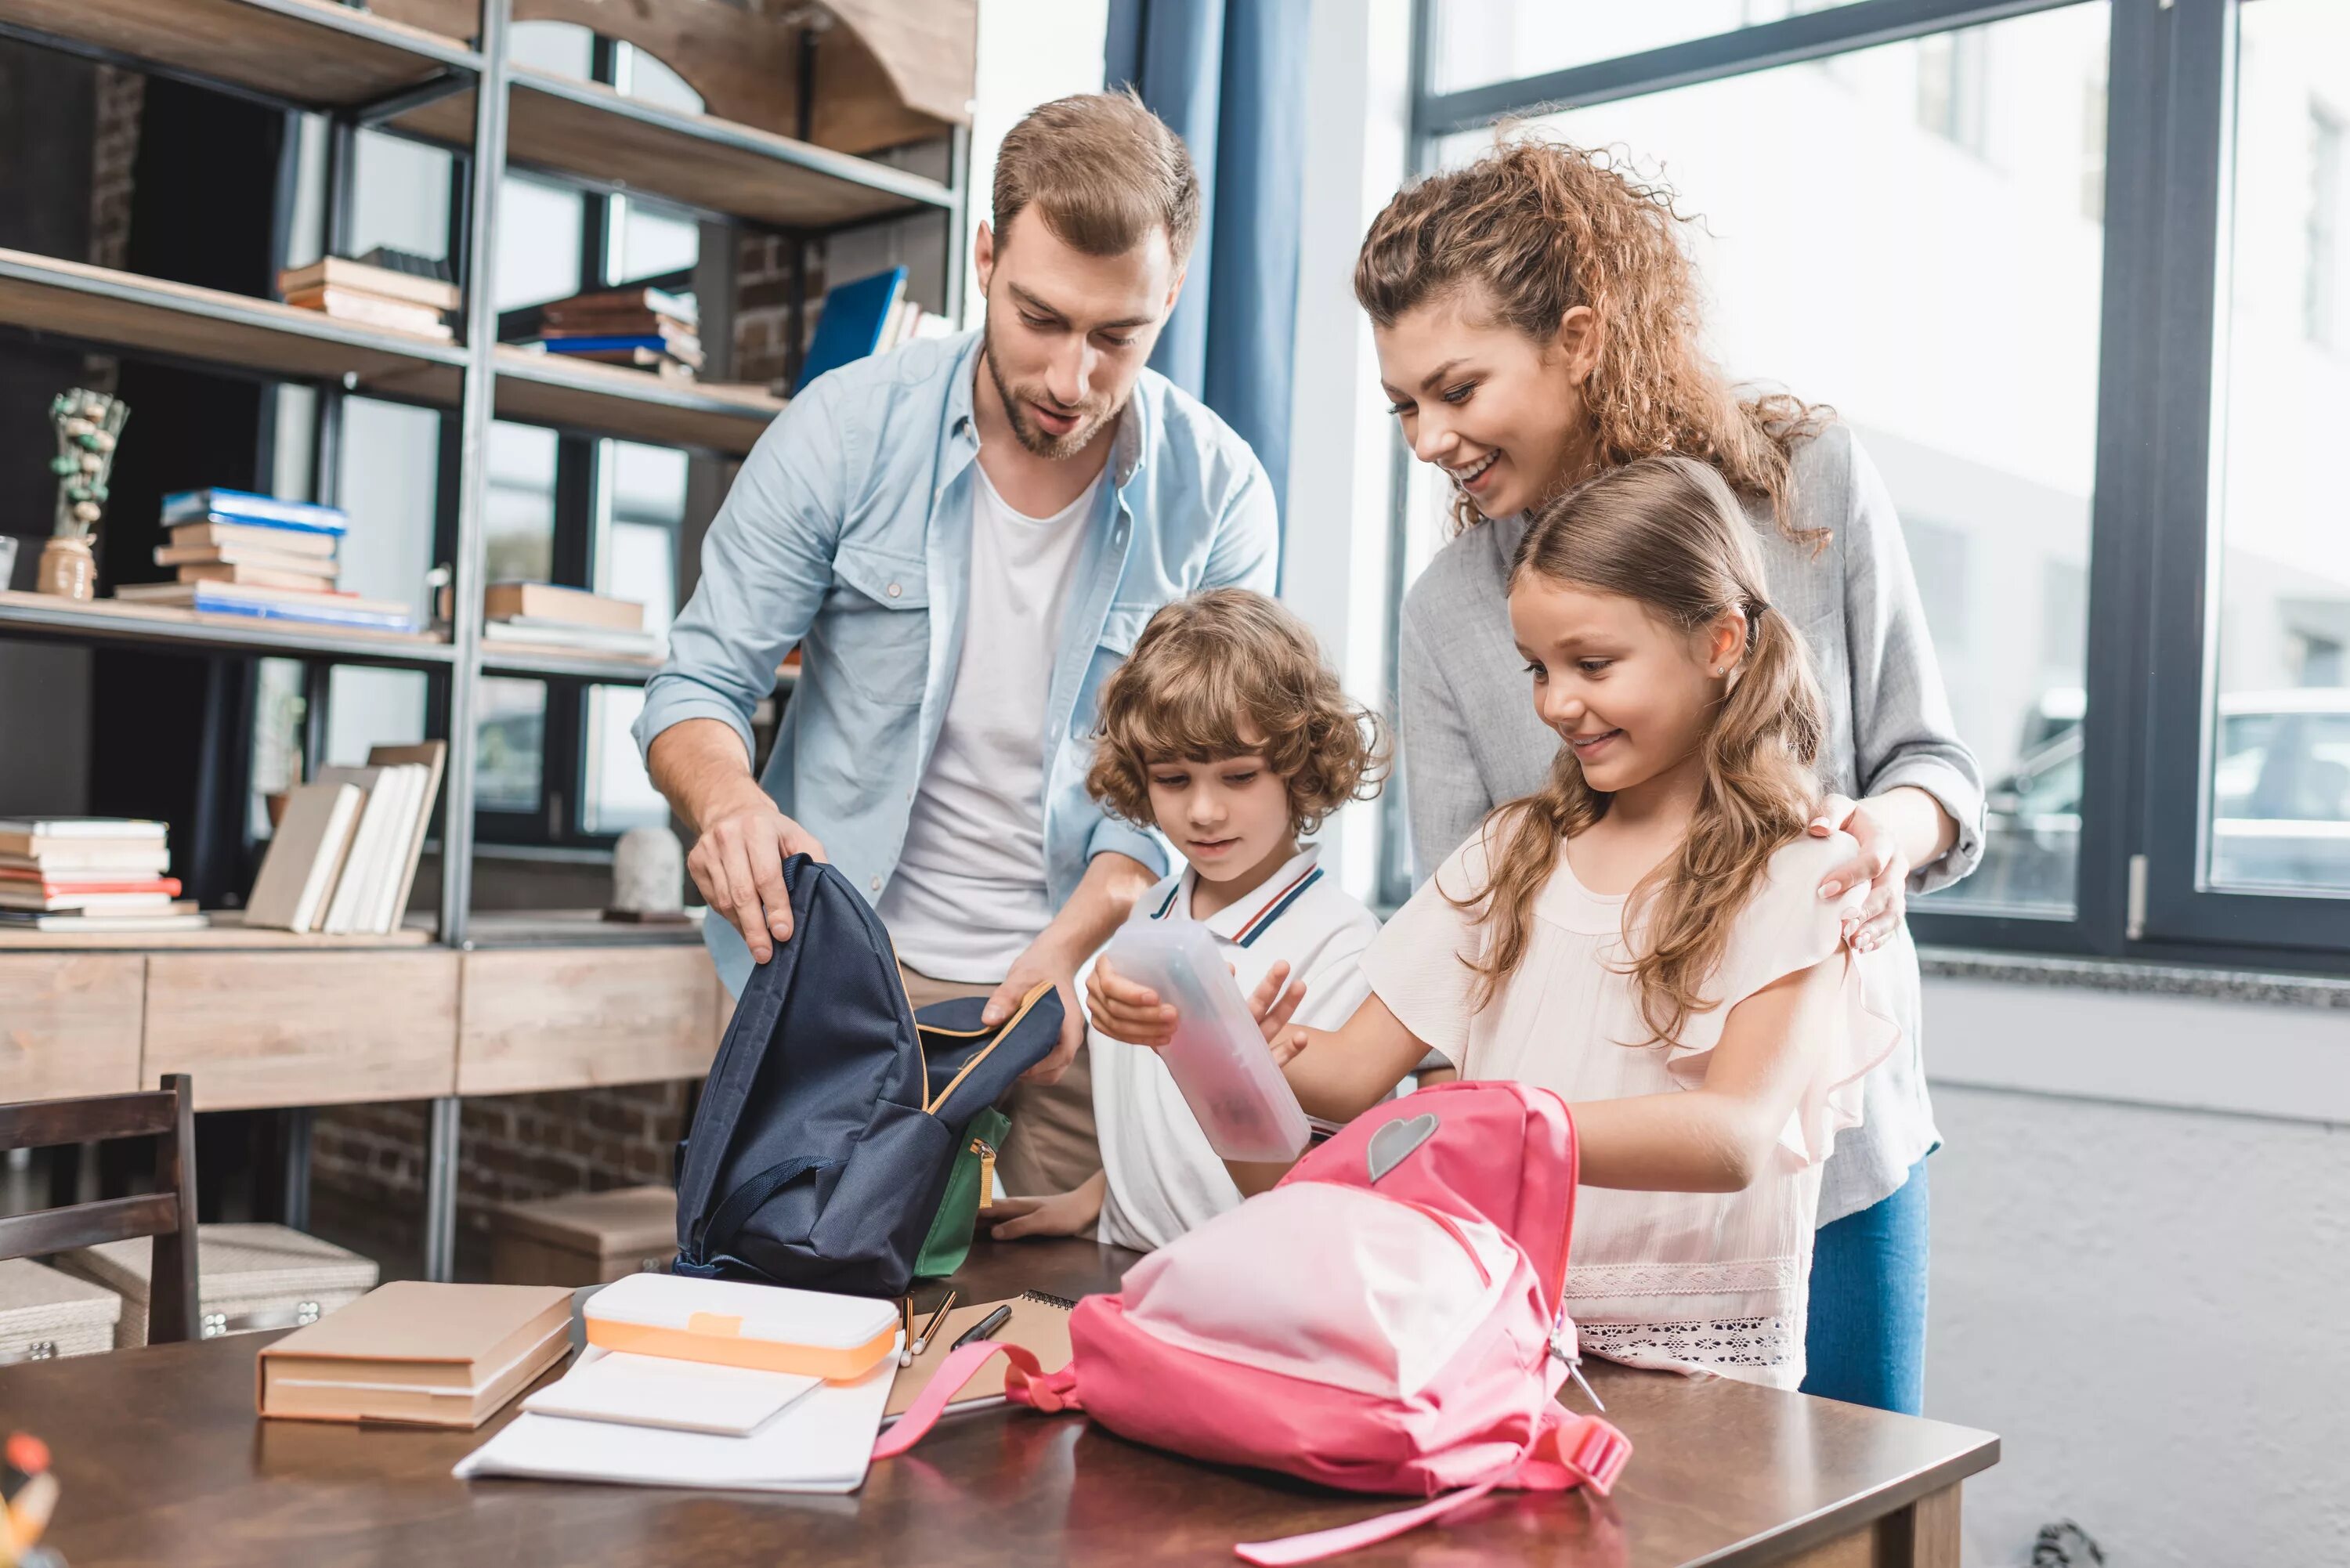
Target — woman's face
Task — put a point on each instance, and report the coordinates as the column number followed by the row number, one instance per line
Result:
column 1501, row 413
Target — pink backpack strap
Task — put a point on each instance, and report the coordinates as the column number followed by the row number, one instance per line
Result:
column 1572, row 1450
column 1025, row 1383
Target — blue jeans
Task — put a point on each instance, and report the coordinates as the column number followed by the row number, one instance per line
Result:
column 1865, row 1342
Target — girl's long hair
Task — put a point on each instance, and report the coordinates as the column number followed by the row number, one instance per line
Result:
column 1666, row 531
column 1540, row 227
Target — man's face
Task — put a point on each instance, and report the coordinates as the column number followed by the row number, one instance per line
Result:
column 1067, row 333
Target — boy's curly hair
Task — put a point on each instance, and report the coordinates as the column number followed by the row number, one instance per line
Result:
column 1225, row 673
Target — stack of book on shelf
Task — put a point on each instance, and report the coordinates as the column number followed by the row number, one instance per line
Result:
column 550, row 616
column 344, row 855
column 870, row 316
column 648, row 328
column 91, row 875
column 255, row 556
column 386, row 289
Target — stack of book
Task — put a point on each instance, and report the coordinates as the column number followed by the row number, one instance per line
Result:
column 255, row 556
column 428, row 1355
column 648, row 328
column 344, row 855
column 386, row 289
column 868, row 315
column 91, row 875
column 552, row 616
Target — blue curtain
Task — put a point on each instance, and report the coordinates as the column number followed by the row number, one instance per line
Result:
column 1229, row 77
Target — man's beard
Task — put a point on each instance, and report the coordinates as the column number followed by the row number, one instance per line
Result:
column 1093, row 418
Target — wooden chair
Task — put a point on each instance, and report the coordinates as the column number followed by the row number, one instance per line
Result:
column 168, row 1213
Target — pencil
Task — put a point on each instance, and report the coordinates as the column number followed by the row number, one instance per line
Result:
column 906, row 1342
column 923, row 1340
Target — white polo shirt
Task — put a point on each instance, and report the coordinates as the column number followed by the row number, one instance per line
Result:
column 1163, row 1177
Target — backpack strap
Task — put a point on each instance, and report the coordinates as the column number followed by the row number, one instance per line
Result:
column 716, row 1234
column 1025, row 1383
column 1570, row 1450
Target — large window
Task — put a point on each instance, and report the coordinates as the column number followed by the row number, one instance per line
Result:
column 2075, row 279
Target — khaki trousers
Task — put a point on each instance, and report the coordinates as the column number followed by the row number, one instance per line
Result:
column 1051, row 1147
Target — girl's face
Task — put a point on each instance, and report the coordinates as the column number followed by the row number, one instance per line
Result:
column 1631, row 696
column 1501, row 413
column 1228, row 817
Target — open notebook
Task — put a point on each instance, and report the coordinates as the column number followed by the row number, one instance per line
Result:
column 1039, row 1323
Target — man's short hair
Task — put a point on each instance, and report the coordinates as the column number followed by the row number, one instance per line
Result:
column 1102, row 171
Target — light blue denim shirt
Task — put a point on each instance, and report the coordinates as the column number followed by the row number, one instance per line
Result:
column 847, row 533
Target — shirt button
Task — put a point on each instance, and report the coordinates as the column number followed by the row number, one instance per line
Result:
column 893, row 590
column 876, row 884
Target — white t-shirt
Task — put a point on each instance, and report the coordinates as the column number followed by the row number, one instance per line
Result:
column 1163, row 1177
column 1687, row 1280
column 968, row 894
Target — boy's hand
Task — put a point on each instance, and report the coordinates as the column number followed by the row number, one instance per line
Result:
column 1063, row 1214
column 1127, row 1009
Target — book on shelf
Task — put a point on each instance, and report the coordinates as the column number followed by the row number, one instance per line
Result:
column 855, row 316
column 654, row 331
column 268, row 539
column 363, row 871
column 617, row 301
column 306, row 855
column 314, row 566
column 432, row 756
column 659, row 363
column 373, row 310
column 624, row 348
column 530, row 631
column 86, row 859
column 120, row 898
column 253, row 577
column 180, row 917
column 388, row 283
column 335, row 609
column 553, row 602
column 241, row 506
column 125, row 829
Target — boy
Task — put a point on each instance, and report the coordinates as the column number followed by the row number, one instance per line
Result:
column 1226, row 731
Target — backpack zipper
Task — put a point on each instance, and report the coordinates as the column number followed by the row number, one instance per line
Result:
column 987, row 1152
column 1002, row 1032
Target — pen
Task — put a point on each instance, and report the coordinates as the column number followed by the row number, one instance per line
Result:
column 923, row 1340
column 906, row 1342
column 984, row 1328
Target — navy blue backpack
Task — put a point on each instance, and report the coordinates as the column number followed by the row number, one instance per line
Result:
column 833, row 1119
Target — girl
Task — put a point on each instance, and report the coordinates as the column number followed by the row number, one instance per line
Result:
column 1538, row 322
column 1645, row 934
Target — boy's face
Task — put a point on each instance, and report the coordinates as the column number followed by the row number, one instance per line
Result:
column 1228, row 817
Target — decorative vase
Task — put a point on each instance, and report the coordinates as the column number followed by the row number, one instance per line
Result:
column 67, row 569
column 648, row 877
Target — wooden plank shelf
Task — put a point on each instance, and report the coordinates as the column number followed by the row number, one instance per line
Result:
column 637, row 405
column 227, row 932
column 128, row 312
column 497, row 929
column 112, row 622
column 588, row 131
column 524, row 658
column 306, row 54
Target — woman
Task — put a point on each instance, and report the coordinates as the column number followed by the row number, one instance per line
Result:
column 1537, row 323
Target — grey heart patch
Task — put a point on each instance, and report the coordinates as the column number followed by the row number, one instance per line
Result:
column 1393, row 1142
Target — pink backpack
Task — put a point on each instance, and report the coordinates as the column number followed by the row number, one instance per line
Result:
column 1388, row 1319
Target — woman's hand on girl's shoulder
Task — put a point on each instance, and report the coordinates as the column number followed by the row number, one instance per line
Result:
column 1880, row 862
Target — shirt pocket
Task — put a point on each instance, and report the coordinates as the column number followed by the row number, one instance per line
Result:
column 1119, row 633
column 876, row 624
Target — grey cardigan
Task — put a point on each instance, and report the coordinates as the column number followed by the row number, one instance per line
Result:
column 1470, row 739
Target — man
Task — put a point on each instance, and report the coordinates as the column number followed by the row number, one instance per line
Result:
column 964, row 537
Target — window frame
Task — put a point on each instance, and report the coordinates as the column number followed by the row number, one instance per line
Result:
column 2152, row 526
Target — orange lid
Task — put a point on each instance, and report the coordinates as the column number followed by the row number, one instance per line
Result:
column 27, row 1453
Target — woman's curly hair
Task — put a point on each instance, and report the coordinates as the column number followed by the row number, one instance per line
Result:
column 1539, row 227
column 1226, row 673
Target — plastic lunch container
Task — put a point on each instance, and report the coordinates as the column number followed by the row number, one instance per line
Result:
column 1218, row 1057
column 731, row 1324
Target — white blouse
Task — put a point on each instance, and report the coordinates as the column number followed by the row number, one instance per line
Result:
column 1712, row 1282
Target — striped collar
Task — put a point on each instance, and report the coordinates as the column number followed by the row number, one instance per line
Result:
column 1243, row 920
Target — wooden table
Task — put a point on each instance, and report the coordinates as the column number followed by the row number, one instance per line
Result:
column 163, row 1463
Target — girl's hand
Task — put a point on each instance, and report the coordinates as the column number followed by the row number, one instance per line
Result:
column 1127, row 1010
column 1880, row 863
column 1273, row 1006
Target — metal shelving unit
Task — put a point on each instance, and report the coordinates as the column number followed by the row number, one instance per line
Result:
column 324, row 56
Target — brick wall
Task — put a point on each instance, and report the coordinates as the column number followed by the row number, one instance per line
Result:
column 368, row 1161
column 763, row 299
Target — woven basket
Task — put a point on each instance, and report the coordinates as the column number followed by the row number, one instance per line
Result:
column 251, row 1278
column 44, row 1313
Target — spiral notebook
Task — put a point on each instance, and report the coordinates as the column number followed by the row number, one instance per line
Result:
column 1039, row 1325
